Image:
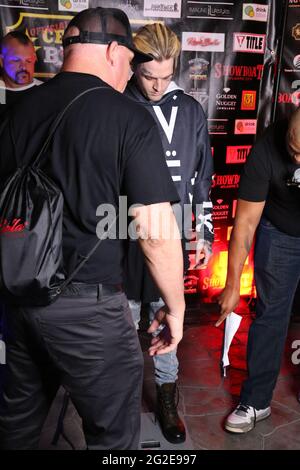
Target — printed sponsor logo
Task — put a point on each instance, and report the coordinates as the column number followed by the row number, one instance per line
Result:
column 238, row 72
column 296, row 32
column 248, row 102
column 73, row 5
column 255, row 12
column 296, row 62
column 200, row 95
column 198, row 69
column 16, row 225
column 295, row 65
column 226, row 101
column 245, row 126
column 217, row 126
column 163, row 9
column 213, row 282
column 237, row 153
column 210, row 10
column 220, row 210
column 226, row 181
column 294, row 3
column 131, row 7
column 292, row 98
column 246, row 42
column 26, row 4
column 210, row 42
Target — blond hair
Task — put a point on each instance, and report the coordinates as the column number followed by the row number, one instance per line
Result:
column 159, row 41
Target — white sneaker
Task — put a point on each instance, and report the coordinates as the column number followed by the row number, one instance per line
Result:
column 244, row 417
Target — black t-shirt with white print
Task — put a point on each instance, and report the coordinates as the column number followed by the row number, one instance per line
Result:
column 9, row 96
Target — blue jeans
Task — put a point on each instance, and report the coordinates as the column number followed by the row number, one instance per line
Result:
column 277, row 273
column 166, row 365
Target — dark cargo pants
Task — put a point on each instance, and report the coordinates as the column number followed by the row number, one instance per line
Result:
column 85, row 341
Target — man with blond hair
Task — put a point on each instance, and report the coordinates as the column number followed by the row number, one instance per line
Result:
column 183, row 130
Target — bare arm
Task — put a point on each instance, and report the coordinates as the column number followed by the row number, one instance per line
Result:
column 160, row 241
column 247, row 217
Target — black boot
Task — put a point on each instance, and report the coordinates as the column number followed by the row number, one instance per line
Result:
column 171, row 425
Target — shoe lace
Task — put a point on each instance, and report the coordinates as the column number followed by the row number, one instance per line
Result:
column 245, row 409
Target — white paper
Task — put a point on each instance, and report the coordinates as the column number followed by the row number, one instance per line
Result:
column 232, row 324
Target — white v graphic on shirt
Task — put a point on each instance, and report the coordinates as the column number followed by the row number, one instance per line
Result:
column 167, row 127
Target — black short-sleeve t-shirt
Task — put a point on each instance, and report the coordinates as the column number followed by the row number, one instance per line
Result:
column 264, row 178
column 105, row 147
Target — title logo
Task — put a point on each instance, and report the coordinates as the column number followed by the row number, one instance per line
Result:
column 237, row 153
column 245, row 42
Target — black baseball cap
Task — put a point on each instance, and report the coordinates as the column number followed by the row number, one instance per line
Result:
column 102, row 26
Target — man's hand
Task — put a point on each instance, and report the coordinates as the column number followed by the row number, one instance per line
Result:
column 228, row 301
column 203, row 254
column 171, row 333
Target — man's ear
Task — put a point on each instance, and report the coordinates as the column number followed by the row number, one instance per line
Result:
column 111, row 52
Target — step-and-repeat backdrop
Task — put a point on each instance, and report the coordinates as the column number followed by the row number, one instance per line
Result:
column 230, row 59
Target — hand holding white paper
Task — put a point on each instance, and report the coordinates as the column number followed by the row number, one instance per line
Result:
column 232, row 324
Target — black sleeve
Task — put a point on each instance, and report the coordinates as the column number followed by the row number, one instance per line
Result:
column 256, row 174
column 147, row 178
column 202, row 204
column 7, row 156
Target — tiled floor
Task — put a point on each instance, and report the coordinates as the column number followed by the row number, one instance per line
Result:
column 206, row 397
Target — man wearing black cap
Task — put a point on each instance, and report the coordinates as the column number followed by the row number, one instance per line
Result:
column 106, row 146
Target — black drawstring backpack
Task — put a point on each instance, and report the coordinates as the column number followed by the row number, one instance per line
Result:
column 31, row 215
